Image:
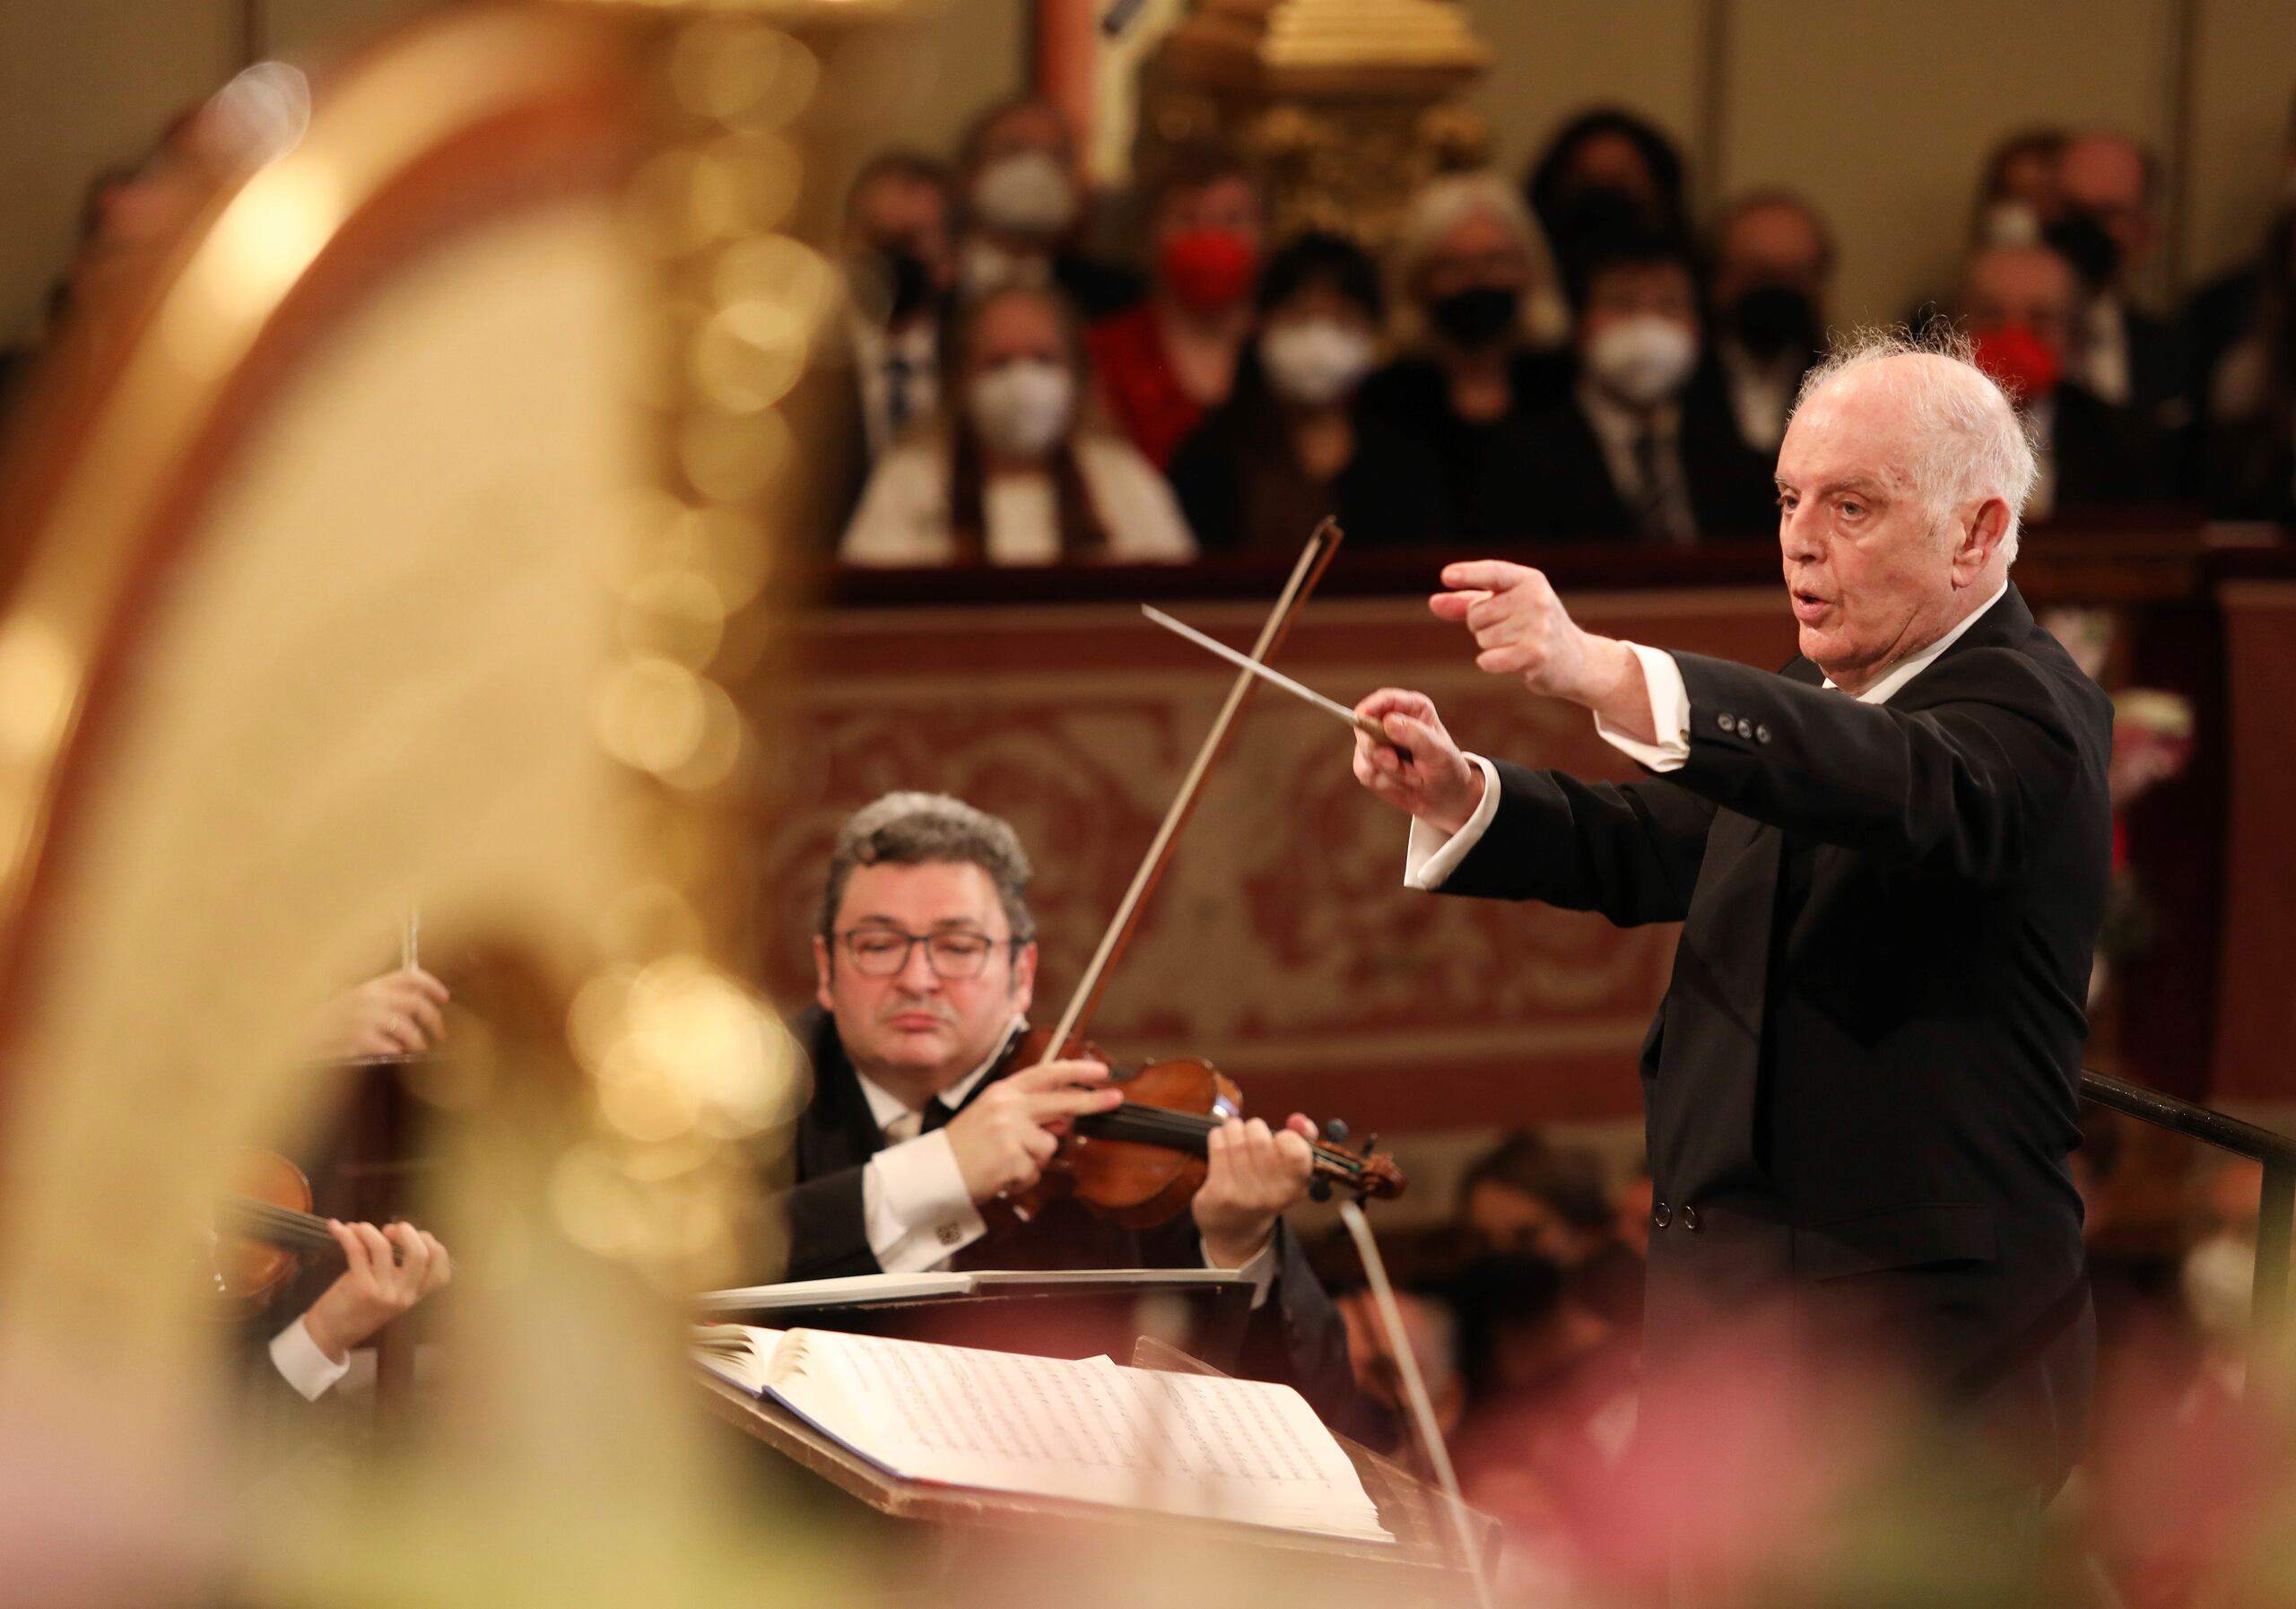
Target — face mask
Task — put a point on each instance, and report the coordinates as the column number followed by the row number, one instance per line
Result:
column 1644, row 359
column 1030, row 194
column 1315, row 362
column 1477, row 316
column 1208, row 268
column 1022, row 408
column 894, row 283
column 1771, row 320
column 2082, row 242
column 2020, row 363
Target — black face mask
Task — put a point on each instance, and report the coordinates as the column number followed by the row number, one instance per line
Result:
column 1772, row 321
column 1477, row 316
column 2081, row 240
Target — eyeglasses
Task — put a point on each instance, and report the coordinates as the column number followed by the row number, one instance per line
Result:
column 884, row 952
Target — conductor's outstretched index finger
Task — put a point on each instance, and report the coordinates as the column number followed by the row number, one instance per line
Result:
column 1483, row 575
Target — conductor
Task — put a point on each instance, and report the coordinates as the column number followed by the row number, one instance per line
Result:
column 1890, row 860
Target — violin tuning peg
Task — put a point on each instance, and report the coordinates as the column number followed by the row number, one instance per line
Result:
column 1320, row 1190
column 1335, row 1131
column 1371, row 1144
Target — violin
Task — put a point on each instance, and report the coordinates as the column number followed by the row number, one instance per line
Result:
column 1141, row 1163
column 265, row 1231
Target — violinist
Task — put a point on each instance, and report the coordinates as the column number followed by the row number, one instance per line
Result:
column 384, row 1272
column 923, row 1115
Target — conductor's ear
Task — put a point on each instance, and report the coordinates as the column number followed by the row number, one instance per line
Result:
column 1979, row 538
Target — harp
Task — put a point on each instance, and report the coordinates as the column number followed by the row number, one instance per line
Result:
column 373, row 539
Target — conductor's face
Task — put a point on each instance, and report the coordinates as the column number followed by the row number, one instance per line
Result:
column 1873, row 573
column 921, row 973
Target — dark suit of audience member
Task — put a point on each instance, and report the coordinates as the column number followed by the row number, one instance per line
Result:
column 1672, row 477
column 2095, row 456
column 1295, row 1337
column 1483, row 493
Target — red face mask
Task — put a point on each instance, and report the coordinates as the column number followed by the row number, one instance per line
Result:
column 1208, row 267
column 2020, row 361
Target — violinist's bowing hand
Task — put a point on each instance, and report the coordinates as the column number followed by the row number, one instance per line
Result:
column 1009, row 1131
column 397, row 1011
column 385, row 1272
column 1255, row 1172
column 1436, row 783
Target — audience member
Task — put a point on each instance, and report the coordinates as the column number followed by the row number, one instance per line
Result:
column 1168, row 360
column 2017, row 195
column 1606, row 171
column 1011, row 474
column 2225, row 310
column 1286, row 449
column 1476, row 276
column 1769, row 288
column 1023, row 208
column 2106, row 227
column 2248, row 457
column 2021, row 305
column 1529, row 1198
column 899, row 267
column 1632, row 453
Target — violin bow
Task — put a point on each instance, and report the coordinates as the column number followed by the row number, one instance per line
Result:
column 1315, row 558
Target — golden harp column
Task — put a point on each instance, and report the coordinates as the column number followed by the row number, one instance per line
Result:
column 1346, row 105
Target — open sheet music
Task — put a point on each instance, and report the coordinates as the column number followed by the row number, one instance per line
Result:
column 1195, row 1445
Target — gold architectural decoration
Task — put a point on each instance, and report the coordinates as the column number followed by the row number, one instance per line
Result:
column 1346, row 105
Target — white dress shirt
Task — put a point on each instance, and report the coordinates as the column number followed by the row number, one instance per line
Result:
column 914, row 1203
column 1429, row 859
column 1762, row 393
column 299, row 1360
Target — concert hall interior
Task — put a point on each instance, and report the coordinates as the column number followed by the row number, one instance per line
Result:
column 730, row 732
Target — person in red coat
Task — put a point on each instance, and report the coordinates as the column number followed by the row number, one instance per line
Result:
column 1166, row 362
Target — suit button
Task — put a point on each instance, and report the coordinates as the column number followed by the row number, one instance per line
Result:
column 1690, row 1218
column 1762, row 734
column 1661, row 1214
column 1726, row 723
column 1745, row 727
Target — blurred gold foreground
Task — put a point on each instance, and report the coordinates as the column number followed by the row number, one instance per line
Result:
column 354, row 564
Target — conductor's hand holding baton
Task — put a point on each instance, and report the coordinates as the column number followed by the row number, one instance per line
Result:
column 1520, row 628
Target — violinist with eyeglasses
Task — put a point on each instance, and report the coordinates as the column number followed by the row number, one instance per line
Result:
column 927, row 1120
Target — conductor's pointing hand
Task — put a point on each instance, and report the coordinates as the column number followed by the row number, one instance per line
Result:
column 1436, row 783
column 1520, row 627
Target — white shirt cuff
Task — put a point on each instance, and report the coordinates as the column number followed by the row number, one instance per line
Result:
column 1260, row 1270
column 915, row 1206
column 302, row 1364
column 1429, row 859
column 1669, row 715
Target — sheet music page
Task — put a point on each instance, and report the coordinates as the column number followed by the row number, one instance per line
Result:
column 1181, row 1444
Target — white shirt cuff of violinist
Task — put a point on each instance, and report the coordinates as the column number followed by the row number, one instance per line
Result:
column 301, row 1363
column 1432, row 858
column 1260, row 1270
column 1669, row 715
column 915, row 1206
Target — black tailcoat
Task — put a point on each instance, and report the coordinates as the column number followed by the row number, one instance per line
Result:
column 1861, row 1087
column 1295, row 1337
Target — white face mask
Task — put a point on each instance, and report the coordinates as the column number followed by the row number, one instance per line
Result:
column 1644, row 359
column 1027, row 194
column 1314, row 363
column 1022, row 409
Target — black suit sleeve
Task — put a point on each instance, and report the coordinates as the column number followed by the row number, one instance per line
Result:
column 1630, row 852
column 1961, row 787
column 829, row 1232
column 1295, row 1337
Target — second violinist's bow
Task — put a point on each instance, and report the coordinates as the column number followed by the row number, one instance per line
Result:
column 1316, row 557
